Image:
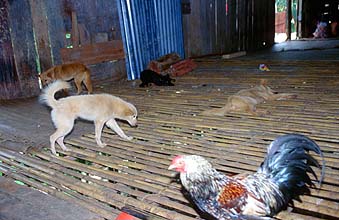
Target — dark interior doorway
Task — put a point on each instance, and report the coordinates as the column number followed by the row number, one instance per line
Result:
column 297, row 19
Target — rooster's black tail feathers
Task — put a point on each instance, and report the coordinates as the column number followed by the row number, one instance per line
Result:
column 288, row 164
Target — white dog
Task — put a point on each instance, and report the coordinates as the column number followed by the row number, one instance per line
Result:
column 100, row 108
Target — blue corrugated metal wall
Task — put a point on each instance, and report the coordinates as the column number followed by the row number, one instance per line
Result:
column 150, row 29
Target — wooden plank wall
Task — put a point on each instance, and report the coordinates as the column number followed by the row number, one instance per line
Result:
column 36, row 31
column 98, row 16
column 94, row 53
column 94, row 17
column 18, row 51
column 224, row 26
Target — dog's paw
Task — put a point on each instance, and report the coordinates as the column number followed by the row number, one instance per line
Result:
column 102, row 145
column 53, row 151
column 129, row 138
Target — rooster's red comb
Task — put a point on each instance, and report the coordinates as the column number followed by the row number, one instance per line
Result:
column 176, row 158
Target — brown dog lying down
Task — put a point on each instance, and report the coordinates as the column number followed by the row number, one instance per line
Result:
column 246, row 100
column 77, row 71
column 103, row 109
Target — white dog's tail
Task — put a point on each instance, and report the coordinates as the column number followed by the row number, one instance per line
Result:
column 48, row 93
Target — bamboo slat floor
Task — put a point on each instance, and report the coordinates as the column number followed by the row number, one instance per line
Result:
column 134, row 173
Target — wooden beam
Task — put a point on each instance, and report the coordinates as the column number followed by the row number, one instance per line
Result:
column 288, row 17
column 94, row 53
column 75, row 31
column 40, row 28
column 233, row 55
column 300, row 19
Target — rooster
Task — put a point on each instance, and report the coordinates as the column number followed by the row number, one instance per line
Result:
column 282, row 177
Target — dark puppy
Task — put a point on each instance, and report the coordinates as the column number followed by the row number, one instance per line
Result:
column 149, row 77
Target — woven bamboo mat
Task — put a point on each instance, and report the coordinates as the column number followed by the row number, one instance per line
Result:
column 135, row 173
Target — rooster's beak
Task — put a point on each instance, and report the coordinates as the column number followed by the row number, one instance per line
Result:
column 171, row 167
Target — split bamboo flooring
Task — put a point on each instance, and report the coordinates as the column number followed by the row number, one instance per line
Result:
column 134, row 173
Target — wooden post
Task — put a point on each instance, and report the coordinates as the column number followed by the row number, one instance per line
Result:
column 75, row 32
column 288, row 18
column 300, row 19
column 40, row 28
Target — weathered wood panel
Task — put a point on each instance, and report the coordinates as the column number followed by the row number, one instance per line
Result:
column 40, row 28
column 99, row 16
column 9, row 75
column 191, row 26
column 18, row 52
column 94, row 53
column 94, row 19
column 56, row 29
column 225, row 26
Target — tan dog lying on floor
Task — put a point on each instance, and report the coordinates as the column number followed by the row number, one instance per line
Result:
column 246, row 100
column 77, row 71
column 100, row 108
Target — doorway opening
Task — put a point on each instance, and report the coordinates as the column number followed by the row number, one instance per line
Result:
column 281, row 20
column 297, row 19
